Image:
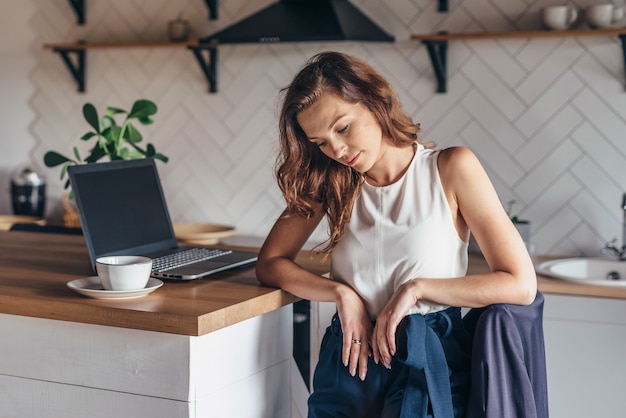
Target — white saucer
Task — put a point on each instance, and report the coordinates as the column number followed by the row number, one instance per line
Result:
column 91, row 286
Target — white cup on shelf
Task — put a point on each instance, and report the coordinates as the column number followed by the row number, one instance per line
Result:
column 559, row 17
column 606, row 15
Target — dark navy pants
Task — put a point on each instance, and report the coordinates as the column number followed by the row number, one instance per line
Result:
column 429, row 375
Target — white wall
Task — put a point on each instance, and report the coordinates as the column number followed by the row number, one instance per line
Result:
column 545, row 115
column 16, row 61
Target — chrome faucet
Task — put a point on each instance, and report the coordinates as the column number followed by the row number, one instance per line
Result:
column 612, row 247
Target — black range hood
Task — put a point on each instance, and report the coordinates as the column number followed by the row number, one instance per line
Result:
column 303, row 21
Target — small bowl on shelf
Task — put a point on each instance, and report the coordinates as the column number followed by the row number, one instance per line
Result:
column 202, row 234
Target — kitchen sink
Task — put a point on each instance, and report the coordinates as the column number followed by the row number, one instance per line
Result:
column 594, row 271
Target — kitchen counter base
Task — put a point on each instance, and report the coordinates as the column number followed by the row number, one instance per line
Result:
column 65, row 369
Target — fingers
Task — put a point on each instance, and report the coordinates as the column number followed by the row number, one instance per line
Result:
column 382, row 352
column 355, row 350
column 356, row 327
column 359, row 356
column 391, row 337
column 355, row 354
column 375, row 352
column 364, row 354
column 384, row 338
column 384, row 341
column 345, row 351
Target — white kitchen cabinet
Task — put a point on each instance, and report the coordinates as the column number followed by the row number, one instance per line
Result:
column 64, row 369
column 586, row 356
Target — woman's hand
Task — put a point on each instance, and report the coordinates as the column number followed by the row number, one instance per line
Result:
column 384, row 336
column 356, row 326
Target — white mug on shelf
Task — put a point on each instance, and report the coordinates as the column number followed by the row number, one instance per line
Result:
column 559, row 17
column 607, row 15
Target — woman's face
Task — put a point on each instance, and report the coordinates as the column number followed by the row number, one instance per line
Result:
column 348, row 133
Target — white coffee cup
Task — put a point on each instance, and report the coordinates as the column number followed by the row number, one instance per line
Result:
column 124, row 272
column 559, row 17
column 605, row 15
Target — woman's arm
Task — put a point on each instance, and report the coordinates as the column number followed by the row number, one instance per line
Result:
column 475, row 206
column 276, row 266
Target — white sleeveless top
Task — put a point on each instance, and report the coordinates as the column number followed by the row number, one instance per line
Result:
column 400, row 232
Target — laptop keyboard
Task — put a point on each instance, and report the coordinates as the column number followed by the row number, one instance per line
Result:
column 186, row 257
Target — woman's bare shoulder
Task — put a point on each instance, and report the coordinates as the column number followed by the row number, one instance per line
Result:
column 454, row 161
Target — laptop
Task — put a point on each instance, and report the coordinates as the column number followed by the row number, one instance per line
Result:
column 122, row 211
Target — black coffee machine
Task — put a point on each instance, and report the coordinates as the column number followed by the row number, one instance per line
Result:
column 28, row 193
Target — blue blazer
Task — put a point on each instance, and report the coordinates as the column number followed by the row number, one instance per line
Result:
column 508, row 361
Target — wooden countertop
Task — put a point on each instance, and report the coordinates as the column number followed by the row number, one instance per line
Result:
column 35, row 268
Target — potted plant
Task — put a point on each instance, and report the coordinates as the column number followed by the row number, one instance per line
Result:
column 113, row 141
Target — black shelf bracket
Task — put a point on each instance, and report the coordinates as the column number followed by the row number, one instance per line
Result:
column 79, row 9
column 212, row 6
column 622, row 38
column 76, row 66
column 206, row 55
column 443, row 6
column 438, row 53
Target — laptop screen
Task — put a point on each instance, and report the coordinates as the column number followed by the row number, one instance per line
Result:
column 122, row 207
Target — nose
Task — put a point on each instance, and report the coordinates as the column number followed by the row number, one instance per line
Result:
column 337, row 148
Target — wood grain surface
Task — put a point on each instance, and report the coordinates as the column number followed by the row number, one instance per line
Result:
column 35, row 269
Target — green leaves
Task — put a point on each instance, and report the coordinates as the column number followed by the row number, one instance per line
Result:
column 52, row 159
column 112, row 111
column 117, row 142
column 142, row 110
column 91, row 116
column 132, row 135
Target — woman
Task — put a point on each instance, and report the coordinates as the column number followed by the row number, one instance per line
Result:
column 399, row 217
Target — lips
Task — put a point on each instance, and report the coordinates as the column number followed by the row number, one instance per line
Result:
column 353, row 160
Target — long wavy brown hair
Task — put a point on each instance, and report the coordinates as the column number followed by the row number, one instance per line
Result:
column 305, row 175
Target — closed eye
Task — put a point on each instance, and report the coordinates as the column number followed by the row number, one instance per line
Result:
column 344, row 129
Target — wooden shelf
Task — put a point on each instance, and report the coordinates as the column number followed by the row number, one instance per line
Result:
column 74, row 56
column 437, row 44
column 119, row 45
column 518, row 34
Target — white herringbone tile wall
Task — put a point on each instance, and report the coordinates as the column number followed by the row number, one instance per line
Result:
column 546, row 116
